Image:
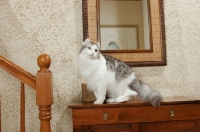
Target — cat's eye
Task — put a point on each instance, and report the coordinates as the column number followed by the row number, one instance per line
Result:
column 96, row 50
column 89, row 47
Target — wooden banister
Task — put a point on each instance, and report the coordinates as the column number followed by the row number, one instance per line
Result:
column 18, row 72
column 22, row 108
column 44, row 92
column 0, row 110
column 42, row 83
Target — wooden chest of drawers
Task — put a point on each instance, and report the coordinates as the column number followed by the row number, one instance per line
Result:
column 174, row 115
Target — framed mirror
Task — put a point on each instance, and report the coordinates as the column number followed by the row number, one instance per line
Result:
column 147, row 44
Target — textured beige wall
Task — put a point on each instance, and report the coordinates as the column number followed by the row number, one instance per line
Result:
column 32, row 27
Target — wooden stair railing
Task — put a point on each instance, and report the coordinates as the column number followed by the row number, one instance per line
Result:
column 42, row 83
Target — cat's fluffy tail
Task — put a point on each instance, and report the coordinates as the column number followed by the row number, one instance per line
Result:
column 147, row 94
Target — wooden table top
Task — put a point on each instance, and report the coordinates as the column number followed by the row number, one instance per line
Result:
column 135, row 103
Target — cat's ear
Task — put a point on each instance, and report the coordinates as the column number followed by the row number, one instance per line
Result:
column 87, row 41
column 98, row 45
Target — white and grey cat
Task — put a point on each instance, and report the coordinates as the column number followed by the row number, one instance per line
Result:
column 109, row 77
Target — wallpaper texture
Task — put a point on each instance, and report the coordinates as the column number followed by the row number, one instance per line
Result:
column 29, row 28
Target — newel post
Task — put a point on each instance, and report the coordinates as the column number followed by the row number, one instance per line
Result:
column 44, row 93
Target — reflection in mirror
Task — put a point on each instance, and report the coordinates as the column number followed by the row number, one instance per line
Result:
column 125, row 22
column 125, row 36
column 113, row 46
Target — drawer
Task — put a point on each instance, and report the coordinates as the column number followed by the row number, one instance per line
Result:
column 172, row 126
column 92, row 116
column 107, row 128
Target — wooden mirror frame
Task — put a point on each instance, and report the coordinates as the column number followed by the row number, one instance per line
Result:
column 156, row 56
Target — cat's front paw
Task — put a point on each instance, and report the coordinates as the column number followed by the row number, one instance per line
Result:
column 98, row 102
column 110, row 100
column 122, row 99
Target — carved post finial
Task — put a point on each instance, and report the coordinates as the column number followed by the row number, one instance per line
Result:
column 44, row 62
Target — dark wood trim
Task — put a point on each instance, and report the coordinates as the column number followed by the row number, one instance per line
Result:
column 164, row 54
column 85, row 19
column 146, row 63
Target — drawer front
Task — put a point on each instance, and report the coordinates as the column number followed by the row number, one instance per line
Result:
column 135, row 114
column 107, row 128
column 173, row 126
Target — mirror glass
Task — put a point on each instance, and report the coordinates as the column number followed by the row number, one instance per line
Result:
column 124, row 24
